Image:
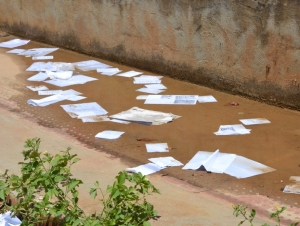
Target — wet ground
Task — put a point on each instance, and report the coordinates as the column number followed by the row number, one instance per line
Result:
column 276, row 145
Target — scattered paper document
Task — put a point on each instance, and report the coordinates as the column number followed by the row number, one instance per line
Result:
column 74, row 80
column 206, row 99
column 165, row 162
column 119, row 121
column 49, row 92
column 156, row 86
column 95, row 119
column 145, row 117
column 108, row 71
column 41, row 76
column 254, row 121
column 42, row 58
column 36, row 52
column 149, row 90
column 234, row 165
column 89, row 65
column 51, row 66
column 129, row 74
column 172, row 99
column 151, row 76
column 146, row 80
column 84, row 110
column 7, row 220
column 109, row 134
column 14, row 43
column 59, row 74
column 237, row 129
column 293, row 188
column 146, row 169
column 47, row 100
column 76, row 98
column 16, row 51
column 158, row 147
column 37, row 88
column 142, row 97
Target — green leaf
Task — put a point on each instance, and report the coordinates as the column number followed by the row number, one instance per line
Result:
column 146, row 223
column 121, row 178
column 93, row 193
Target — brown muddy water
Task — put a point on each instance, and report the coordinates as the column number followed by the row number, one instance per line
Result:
column 276, row 145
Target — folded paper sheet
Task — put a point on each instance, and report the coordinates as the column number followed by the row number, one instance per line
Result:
column 293, row 188
column 84, row 110
column 146, row 117
column 165, row 162
column 158, row 147
column 254, row 121
column 172, row 99
column 234, row 165
column 74, row 80
column 38, row 52
column 14, row 43
column 237, row 129
column 109, row 134
column 7, row 220
column 89, row 65
column 51, row 66
column 145, row 169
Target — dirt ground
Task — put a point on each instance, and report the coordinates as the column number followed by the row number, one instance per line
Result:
column 276, row 145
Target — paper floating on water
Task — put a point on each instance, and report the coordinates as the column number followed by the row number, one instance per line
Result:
column 254, row 121
column 156, row 86
column 158, row 147
column 16, row 51
column 172, row 99
column 165, row 162
column 109, row 134
column 42, row 58
column 146, row 169
column 234, row 165
column 74, row 80
column 150, row 90
column 39, row 77
column 49, row 92
column 51, row 66
column 108, row 71
column 120, row 121
column 37, row 88
column 89, row 65
column 84, row 110
column 95, row 119
column 129, row 74
column 146, row 80
column 59, row 74
column 237, row 129
column 7, row 220
column 206, row 99
column 36, row 52
column 14, row 43
column 293, row 188
column 146, row 117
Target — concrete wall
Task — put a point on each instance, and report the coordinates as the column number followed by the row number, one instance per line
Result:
column 249, row 47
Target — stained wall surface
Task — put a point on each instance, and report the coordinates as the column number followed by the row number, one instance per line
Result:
column 248, row 47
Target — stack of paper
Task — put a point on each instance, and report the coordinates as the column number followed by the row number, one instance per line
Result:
column 254, row 121
column 129, row 74
column 84, row 110
column 146, row 117
column 172, row 99
column 108, row 71
column 237, row 129
column 89, row 65
column 51, row 66
column 293, row 188
column 37, row 52
column 109, row 134
column 74, row 80
column 14, row 43
column 158, row 147
column 234, row 165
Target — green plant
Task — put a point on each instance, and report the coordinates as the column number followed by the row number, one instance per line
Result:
column 242, row 210
column 47, row 191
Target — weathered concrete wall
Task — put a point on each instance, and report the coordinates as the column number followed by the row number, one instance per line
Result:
column 250, row 47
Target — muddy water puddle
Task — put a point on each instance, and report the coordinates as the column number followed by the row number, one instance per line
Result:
column 276, row 145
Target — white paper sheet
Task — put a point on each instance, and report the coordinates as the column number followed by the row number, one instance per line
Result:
column 152, row 91
column 108, row 71
column 151, row 76
column 59, row 74
column 146, row 117
column 158, row 147
column 76, row 98
column 254, row 121
column 156, row 86
column 293, row 188
column 197, row 161
column 237, row 129
column 109, row 134
column 84, row 110
column 142, row 97
column 218, row 162
column 120, row 121
column 7, row 220
column 129, row 74
column 89, row 65
column 42, row 58
column 38, row 52
column 95, row 119
column 145, row 169
column 14, row 43
column 172, row 99
column 165, row 162
column 39, row 77
column 206, row 99
column 49, row 92
column 16, row 51
column 51, row 66
column 47, row 100
column 146, row 81
column 37, row 88
column 74, row 80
